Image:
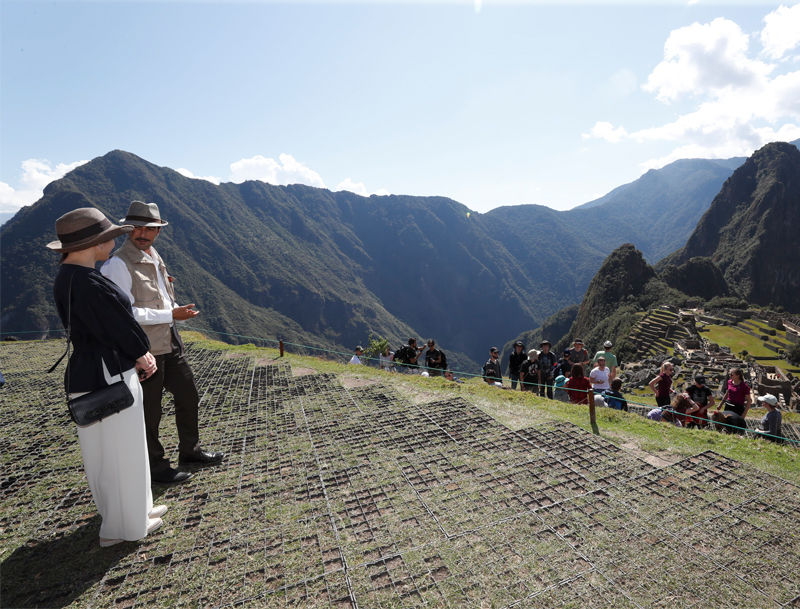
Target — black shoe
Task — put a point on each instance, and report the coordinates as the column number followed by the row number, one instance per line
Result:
column 201, row 458
column 169, row 476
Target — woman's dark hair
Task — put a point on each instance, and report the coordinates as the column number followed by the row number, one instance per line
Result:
column 678, row 401
column 577, row 371
column 738, row 372
column 668, row 416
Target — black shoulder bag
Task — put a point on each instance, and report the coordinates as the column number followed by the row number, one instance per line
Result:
column 101, row 403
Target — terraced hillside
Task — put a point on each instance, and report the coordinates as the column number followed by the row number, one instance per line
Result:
column 656, row 332
column 339, row 495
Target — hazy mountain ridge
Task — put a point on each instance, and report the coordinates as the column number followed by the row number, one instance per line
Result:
column 302, row 263
column 750, row 229
column 326, row 268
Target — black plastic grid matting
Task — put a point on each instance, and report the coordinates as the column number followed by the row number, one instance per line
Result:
column 334, row 497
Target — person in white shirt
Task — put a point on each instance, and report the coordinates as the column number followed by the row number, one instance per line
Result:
column 356, row 359
column 387, row 360
column 599, row 376
column 140, row 272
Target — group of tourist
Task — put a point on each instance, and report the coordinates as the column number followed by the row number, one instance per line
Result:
column 690, row 408
column 541, row 372
column 120, row 323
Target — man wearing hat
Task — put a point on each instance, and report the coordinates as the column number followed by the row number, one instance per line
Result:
column 356, row 359
column 611, row 359
column 704, row 398
column 578, row 355
column 137, row 268
column 547, row 362
column 515, row 360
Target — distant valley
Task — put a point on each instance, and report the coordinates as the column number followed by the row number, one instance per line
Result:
column 326, row 269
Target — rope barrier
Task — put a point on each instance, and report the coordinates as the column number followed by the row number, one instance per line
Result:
column 739, row 430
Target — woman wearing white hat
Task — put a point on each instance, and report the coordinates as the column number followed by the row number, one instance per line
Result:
column 109, row 345
column 771, row 423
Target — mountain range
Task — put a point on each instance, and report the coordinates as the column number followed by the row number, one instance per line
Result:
column 745, row 246
column 327, row 269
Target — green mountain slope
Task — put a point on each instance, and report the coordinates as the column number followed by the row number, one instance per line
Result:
column 624, row 285
column 314, row 267
column 750, row 230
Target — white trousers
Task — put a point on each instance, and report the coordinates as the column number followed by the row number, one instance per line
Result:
column 115, row 459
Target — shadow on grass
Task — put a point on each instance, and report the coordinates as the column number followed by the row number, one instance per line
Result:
column 53, row 572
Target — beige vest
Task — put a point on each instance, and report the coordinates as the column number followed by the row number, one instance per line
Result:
column 145, row 292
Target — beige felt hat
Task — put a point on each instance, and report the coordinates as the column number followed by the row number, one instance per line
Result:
column 83, row 228
column 143, row 214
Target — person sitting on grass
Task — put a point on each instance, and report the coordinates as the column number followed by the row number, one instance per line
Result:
column 729, row 422
column 614, row 399
column 666, row 415
column 703, row 397
column 494, row 383
column 560, row 393
column 684, row 408
column 771, row 423
column 356, row 359
column 578, row 386
column 448, row 375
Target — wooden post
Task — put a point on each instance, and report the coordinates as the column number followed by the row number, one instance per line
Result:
column 591, row 408
column 281, row 344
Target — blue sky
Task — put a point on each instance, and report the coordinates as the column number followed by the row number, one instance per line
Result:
column 490, row 103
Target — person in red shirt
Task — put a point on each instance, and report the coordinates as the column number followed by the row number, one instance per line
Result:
column 662, row 384
column 579, row 387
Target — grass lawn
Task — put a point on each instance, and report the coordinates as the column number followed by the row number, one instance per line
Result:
column 345, row 486
column 739, row 341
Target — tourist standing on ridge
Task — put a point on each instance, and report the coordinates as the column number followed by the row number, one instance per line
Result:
column 491, row 369
column 662, row 384
column 578, row 355
column 407, row 357
column 547, row 362
column 737, row 398
column 529, row 372
column 139, row 271
column 611, row 359
column 387, row 360
column 515, row 360
column 433, row 359
column 599, row 376
column 564, row 365
column 109, row 347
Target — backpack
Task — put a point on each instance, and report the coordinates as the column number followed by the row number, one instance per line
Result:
column 401, row 356
column 443, row 363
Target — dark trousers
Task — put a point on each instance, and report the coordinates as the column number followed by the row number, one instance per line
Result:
column 175, row 376
column 547, row 387
column 514, row 380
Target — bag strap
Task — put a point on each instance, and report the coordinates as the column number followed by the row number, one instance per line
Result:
column 69, row 335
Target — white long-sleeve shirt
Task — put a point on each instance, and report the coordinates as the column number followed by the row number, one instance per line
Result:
column 116, row 270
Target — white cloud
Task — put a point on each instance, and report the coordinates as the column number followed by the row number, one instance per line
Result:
column 781, row 32
column 189, row 174
column 705, row 58
column 359, row 188
column 742, row 104
column 288, row 171
column 36, row 174
column 605, row 131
